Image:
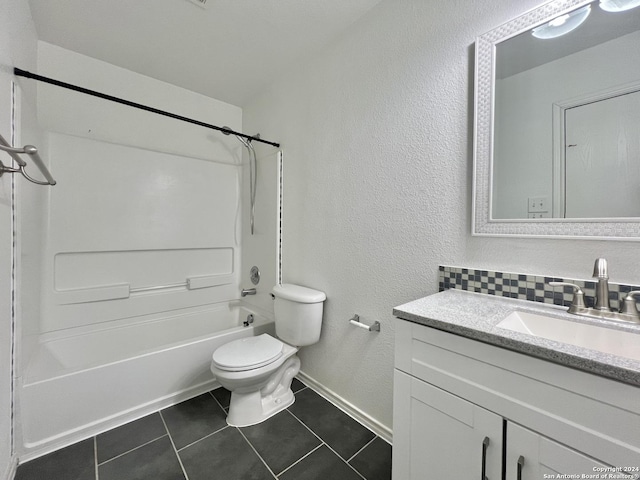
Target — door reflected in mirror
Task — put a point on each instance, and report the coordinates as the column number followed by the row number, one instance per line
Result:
column 566, row 118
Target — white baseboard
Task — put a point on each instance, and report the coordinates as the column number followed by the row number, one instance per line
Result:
column 350, row 409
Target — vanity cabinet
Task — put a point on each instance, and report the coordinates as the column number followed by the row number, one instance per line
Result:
column 466, row 409
column 439, row 435
column 530, row 456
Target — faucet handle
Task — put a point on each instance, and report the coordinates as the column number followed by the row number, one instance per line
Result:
column 578, row 295
column 629, row 307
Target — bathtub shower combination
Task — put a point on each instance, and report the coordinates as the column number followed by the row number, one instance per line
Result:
column 77, row 385
column 142, row 260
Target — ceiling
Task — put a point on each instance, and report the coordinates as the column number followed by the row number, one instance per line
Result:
column 228, row 49
column 524, row 51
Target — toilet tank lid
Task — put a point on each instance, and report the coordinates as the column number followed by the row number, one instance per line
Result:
column 297, row 293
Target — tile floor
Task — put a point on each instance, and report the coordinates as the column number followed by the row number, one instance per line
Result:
column 312, row 439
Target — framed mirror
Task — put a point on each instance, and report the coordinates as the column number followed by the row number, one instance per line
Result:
column 557, row 123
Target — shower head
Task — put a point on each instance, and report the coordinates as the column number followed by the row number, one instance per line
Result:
column 245, row 141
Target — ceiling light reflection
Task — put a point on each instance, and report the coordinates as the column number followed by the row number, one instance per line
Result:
column 564, row 23
column 618, row 5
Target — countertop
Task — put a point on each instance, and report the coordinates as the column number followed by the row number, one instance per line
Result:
column 475, row 316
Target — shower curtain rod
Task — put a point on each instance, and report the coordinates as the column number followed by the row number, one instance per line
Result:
column 58, row 83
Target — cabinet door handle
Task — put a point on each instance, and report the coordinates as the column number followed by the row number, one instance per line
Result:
column 520, row 465
column 485, row 445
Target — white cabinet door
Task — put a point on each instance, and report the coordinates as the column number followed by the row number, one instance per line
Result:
column 531, row 456
column 439, row 436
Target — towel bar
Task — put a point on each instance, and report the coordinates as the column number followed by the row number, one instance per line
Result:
column 32, row 152
column 355, row 320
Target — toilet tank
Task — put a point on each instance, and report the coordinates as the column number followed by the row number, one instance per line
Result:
column 298, row 314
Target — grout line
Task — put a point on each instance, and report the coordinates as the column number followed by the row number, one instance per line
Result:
column 329, row 446
column 305, row 425
column 206, row 436
column 347, row 463
column 256, row 452
column 352, row 417
column 219, row 404
column 365, row 446
column 129, row 451
column 184, row 472
column 302, row 458
column 339, row 403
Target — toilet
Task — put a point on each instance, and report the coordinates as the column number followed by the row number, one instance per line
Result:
column 258, row 370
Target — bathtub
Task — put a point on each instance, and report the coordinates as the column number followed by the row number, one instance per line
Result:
column 80, row 384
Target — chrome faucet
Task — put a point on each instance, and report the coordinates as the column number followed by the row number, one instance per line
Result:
column 602, row 309
column 247, row 291
column 601, row 272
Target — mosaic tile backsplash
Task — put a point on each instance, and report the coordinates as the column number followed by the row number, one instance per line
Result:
column 525, row 287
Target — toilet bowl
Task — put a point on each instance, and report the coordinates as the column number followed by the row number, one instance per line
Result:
column 258, row 370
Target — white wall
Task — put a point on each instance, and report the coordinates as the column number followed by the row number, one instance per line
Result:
column 17, row 48
column 377, row 134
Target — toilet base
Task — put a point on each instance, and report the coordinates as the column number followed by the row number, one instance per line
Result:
column 250, row 408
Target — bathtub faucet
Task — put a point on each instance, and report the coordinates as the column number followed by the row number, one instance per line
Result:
column 247, row 291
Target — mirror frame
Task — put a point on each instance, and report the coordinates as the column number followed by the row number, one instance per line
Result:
column 482, row 222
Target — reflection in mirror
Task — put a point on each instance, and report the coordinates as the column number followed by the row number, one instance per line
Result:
column 566, row 118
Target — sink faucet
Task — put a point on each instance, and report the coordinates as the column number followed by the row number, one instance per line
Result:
column 602, row 309
column 247, row 291
column 601, row 272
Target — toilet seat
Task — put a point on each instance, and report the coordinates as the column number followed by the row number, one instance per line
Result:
column 248, row 353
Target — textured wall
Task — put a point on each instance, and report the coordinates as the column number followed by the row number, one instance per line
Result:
column 377, row 135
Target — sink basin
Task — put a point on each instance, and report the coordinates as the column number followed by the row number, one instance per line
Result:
column 606, row 340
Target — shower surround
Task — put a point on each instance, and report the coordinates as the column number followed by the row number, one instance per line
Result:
column 137, row 255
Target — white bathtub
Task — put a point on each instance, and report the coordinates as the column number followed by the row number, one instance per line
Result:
column 81, row 384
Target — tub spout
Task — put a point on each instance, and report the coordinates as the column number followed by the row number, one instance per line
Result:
column 247, row 291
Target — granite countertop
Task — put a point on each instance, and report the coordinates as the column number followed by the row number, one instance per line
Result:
column 475, row 316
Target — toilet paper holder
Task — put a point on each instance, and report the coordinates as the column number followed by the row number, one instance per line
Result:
column 355, row 320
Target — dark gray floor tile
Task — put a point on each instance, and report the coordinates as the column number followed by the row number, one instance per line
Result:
column 297, row 385
column 76, row 462
column 191, row 420
column 374, row 461
column 341, row 432
column 322, row 464
column 225, row 455
column 122, row 439
column 281, row 440
column 222, row 395
column 156, row 460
